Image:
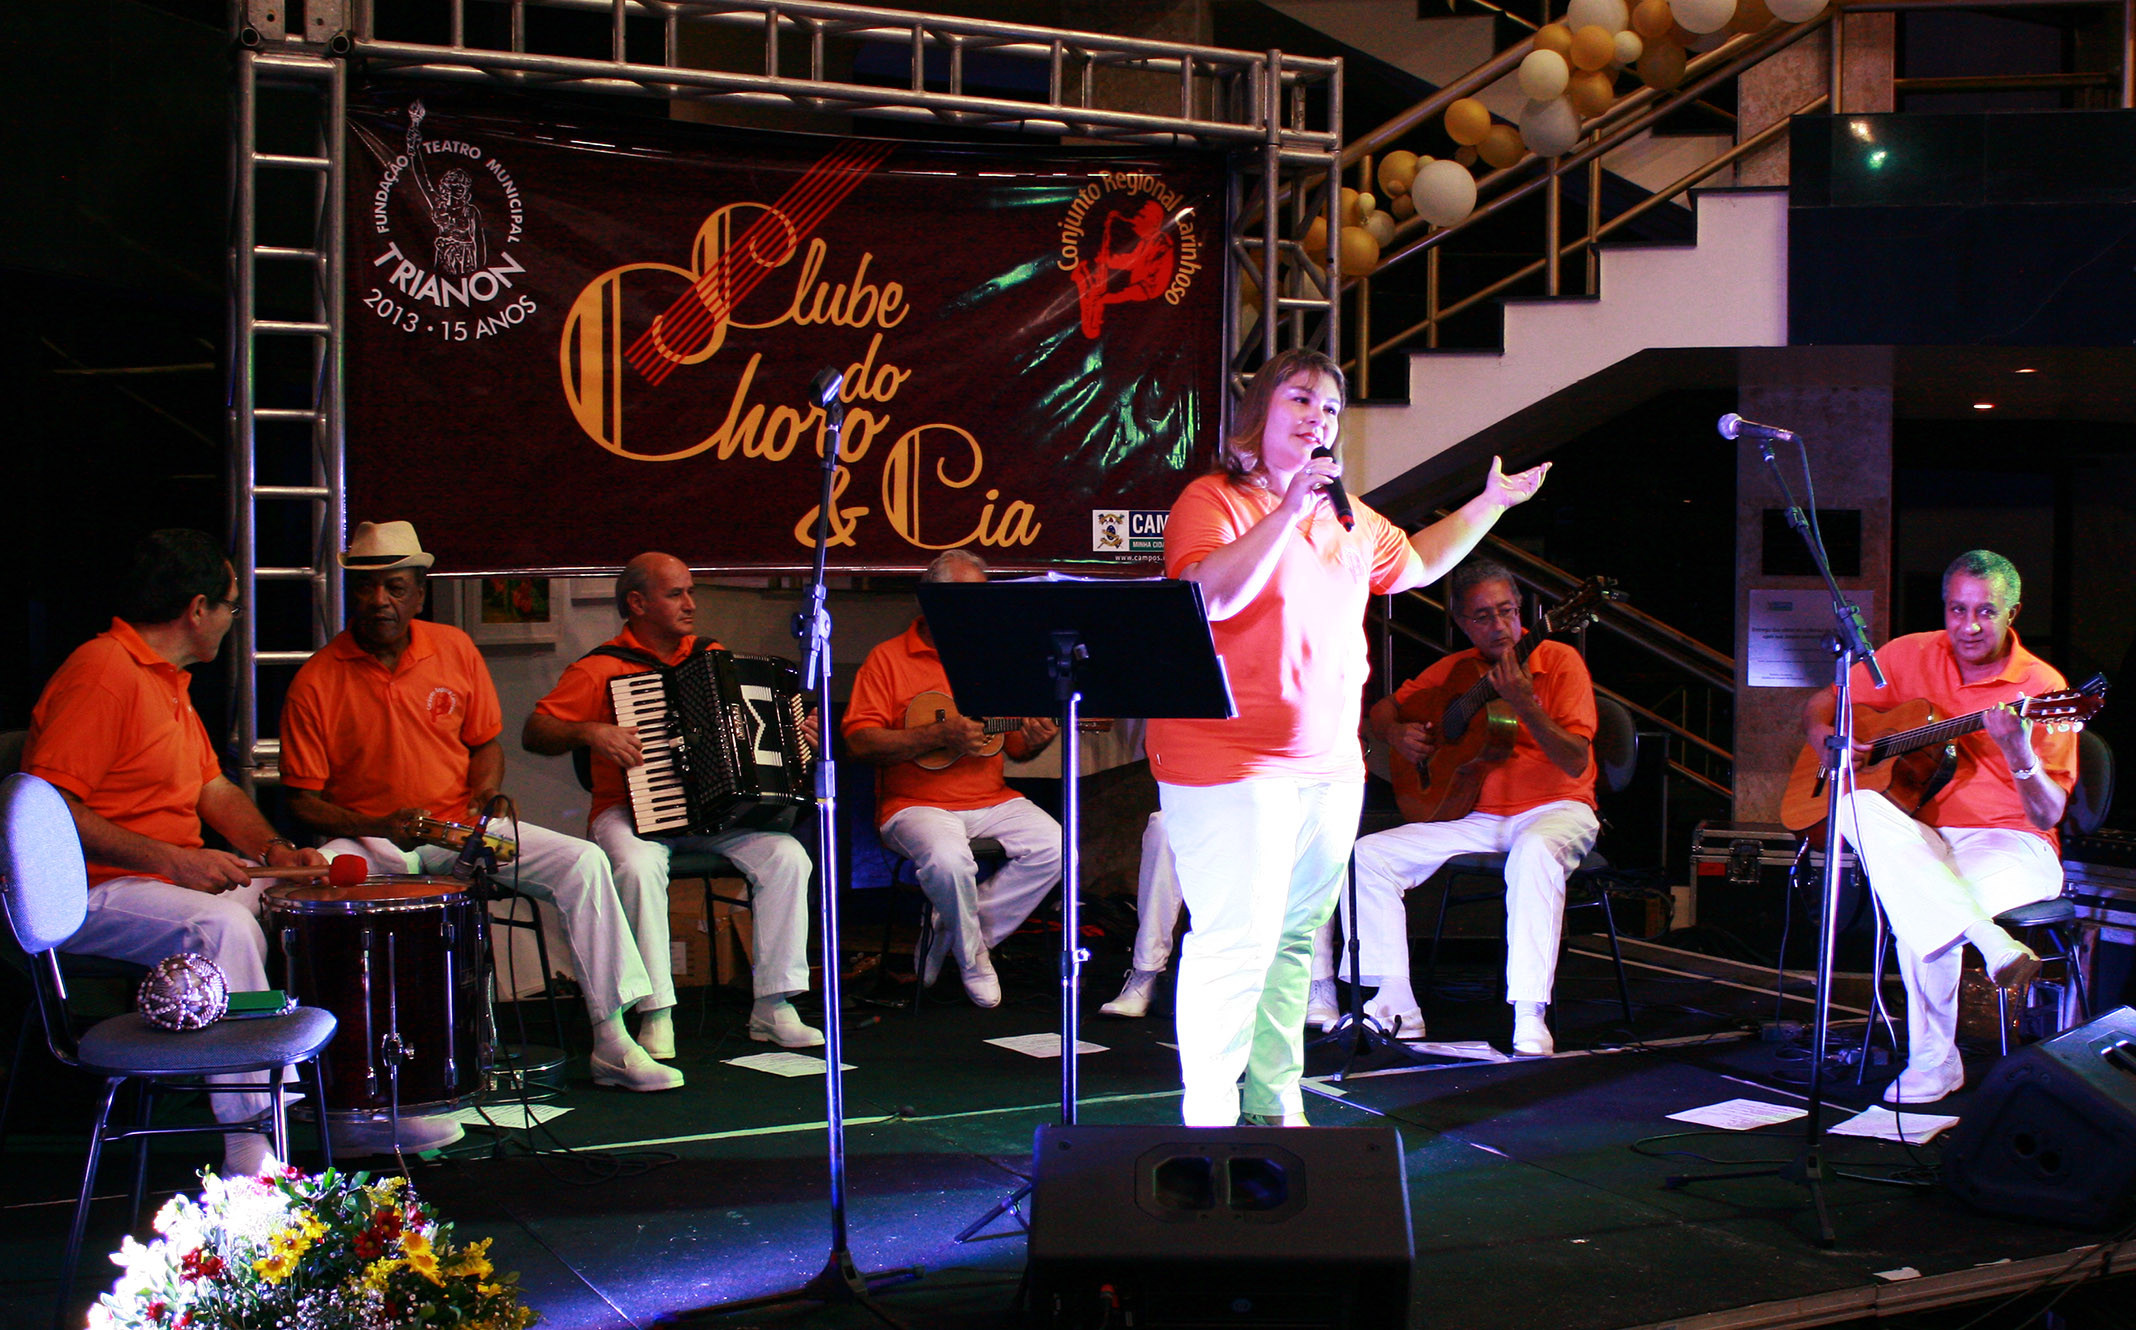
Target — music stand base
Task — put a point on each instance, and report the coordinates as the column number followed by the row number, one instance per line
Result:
column 1804, row 1170
column 839, row 1282
column 1005, row 1206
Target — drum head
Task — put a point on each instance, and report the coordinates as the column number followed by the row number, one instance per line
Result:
column 373, row 892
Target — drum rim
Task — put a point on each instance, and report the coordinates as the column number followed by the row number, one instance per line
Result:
column 282, row 897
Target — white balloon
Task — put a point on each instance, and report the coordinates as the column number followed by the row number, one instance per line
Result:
column 1381, row 227
column 1444, row 192
column 1796, row 11
column 1611, row 15
column 1630, row 47
column 1543, row 75
column 1702, row 15
column 1550, row 129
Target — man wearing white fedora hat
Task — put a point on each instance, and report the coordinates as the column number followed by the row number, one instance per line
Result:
column 397, row 719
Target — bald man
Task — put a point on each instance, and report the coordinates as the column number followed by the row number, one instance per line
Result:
column 656, row 596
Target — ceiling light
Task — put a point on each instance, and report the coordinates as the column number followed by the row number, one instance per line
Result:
column 1983, row 406
column 2028, row 370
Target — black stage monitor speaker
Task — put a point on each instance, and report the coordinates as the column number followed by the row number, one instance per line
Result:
column 1297, row 1228
column 2052, row 1134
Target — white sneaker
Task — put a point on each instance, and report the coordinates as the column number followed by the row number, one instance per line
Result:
column 1531, row 1037
column 423, row 1131
column 981, row 983
column 635, row 1072
column 247, row 1154
column 656, row 1035
column 1274, row 1119
column 780, row 1024
column 1134, row 1000
column 1398, row 1024
column 1925, row 1085
column 1320, row 1010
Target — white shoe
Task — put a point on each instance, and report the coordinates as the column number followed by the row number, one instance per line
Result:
column 981, row 983
column 1274, row 1119
column 782, row 1025
column 1925, row 1085
column 247, row 1154
column 1320, row 1010
column 656, row 1035
column 426, row 1131
column 635, row 1072
column 1531, row 1037
column 1134, row 1000
column 1398, row 1024
column 2015, row 968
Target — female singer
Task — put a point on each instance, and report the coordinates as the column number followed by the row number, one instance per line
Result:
column 1261, row 809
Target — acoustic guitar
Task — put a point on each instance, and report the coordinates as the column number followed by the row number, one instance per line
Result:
column 1476, row 728
column 928, row 707
column 1913, row 753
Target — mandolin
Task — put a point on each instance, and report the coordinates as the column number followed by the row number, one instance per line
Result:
column 928, row 707
column 1913, row 753
column 1477, row 728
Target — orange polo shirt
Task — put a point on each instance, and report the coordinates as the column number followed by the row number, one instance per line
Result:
column 116, row 729
column 1296, row 657
column 581, row 695
column 893, row 674
column 375, row 741
column 1983, row 794
column 1527, row 778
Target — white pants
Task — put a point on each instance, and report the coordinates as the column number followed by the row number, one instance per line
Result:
column 1934, row 883
column 776, row 867
column 1259, row 861
column 143, row 920
column 1542, row 846
column 1157, row 899
column 614, row 971
column 979, row 915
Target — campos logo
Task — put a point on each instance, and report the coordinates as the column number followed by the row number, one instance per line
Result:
column 1127, row 531
column 446, row 216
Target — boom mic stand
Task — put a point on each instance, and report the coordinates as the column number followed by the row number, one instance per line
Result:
column 1850, row 645
column 840, row 1280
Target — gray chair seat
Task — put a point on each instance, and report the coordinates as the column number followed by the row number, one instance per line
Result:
column 129, row 1046
column 1494, row 862
column 2039, row 913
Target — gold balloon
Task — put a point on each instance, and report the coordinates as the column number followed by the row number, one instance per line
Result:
column 1467, row 121
column 1350, row 213
column 1360, row 252
column 1652, row 20
column 1315, row 239
column 1750, row 16
column 1591, row 93
column 1397, row 171
column 1467, row 156
column 1593, row 47
column 1555, row 37
column 1403, row 207
column 1502, row 146
column 1662, row 66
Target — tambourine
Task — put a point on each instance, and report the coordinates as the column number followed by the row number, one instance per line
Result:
column 453, row 836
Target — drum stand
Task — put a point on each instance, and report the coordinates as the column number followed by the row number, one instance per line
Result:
column 840, row 1281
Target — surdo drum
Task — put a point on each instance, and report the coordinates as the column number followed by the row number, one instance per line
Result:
column 399, row 961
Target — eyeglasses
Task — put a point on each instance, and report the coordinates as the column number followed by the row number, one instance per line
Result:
column 1483, row 618
column 235, row 604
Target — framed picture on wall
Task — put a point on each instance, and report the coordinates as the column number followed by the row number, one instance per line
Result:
column 503, row 610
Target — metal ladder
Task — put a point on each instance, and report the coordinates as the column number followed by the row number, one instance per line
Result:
column 305, row 89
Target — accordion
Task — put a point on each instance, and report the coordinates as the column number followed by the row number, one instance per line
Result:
column 723, row 745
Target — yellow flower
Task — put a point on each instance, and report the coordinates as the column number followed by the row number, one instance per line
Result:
column 275, row 1268
column 309, row 1222
column 378, row 1272
column 415, row 1245
column 473, row 1260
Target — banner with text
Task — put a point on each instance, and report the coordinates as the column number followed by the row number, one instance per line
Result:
column 568, row 343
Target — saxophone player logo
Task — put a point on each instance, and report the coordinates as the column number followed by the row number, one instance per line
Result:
column 1128, row 237
column 445, row 222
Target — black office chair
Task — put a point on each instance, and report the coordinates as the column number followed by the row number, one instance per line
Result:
column 1616, row 750
column 46, row 893
column 2054, row 919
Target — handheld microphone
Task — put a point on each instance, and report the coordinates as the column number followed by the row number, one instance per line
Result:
column 1733, row 426
column 825, row 387
column 1338, row 497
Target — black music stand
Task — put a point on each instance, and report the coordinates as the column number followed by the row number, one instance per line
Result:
column 1056, row 646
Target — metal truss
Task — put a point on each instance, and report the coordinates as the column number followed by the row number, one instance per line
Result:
column 1278, row 115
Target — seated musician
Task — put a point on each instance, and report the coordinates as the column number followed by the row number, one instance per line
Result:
column 656, row 598
column 1536, row 807
column 1986, row 842
column 116, row 733
column 397, row 719
column 1158, row 906
column 931, row 816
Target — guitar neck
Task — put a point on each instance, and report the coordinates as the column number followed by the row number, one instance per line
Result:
column 1464, row 708
column 1923, row 736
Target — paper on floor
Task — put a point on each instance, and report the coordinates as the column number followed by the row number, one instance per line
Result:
column 1042, row 1045
column 784, row 1064
column 507, row 1115
column 1739, row 1114
column 1885, row 1125
column 1474, row 1050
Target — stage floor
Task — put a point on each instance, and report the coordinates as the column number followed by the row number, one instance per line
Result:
column 1536, row 1187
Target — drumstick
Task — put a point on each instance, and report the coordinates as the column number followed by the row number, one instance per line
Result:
column 346, row 870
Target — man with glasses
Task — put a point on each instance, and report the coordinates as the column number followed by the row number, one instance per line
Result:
column 1537, row 807
column 116, row 733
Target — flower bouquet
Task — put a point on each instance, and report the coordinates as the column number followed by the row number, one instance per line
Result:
column 332, row 1252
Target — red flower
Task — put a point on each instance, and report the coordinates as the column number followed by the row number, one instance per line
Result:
column 368, row 1246
column 158, row 1309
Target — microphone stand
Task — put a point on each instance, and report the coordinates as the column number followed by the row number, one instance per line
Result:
column 1358, row 1032
column 1849, row 644
column 840, row 1281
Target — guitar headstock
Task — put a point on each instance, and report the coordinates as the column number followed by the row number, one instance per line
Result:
column 2068, row 708
column 1581, row 608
